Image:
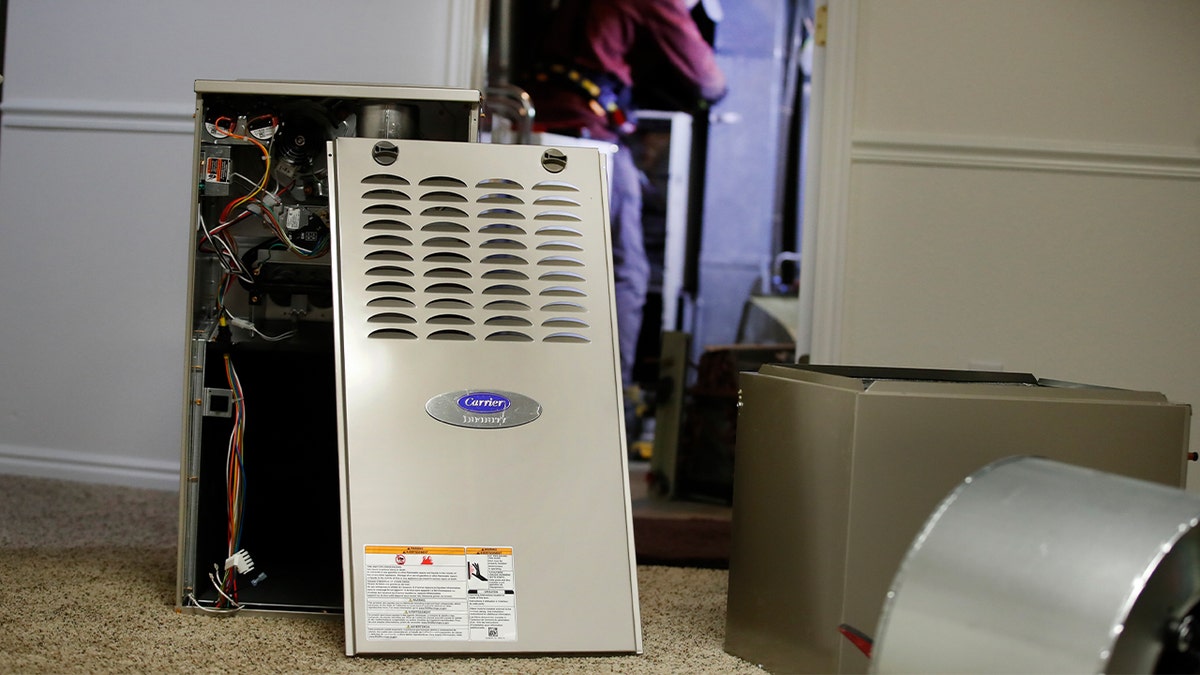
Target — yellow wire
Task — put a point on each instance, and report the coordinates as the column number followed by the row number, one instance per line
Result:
column 262, row 184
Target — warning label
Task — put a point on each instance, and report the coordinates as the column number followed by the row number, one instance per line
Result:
column 491, row 589
column 440, row 593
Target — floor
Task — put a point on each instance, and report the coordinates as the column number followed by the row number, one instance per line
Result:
column 677, row 532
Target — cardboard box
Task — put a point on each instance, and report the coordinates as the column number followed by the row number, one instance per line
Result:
column 837, row 468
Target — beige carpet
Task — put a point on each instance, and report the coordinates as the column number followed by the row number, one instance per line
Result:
column 87, row 575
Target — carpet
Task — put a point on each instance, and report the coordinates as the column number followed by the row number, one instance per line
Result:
column 87, row 577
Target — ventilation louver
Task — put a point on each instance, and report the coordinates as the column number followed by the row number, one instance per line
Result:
column 475, row 257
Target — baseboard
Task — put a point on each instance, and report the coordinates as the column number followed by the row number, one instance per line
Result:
column 86, row 467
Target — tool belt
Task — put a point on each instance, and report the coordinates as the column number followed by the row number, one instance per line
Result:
column 607, row 96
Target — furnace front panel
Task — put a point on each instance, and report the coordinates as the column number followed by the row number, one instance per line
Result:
column 485, row 494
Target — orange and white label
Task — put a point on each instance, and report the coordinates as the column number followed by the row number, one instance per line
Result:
column 421, row 592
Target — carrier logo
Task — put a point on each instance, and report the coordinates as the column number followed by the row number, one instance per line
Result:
column 483, row 409
column 484, row 402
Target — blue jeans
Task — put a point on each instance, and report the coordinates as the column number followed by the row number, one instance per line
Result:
column 631, row 267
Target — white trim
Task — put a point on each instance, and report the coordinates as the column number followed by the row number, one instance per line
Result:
column 812, row 199
column 89, row 467
column 1025, row 155
column 87, row 115
column 827, row 257
column 465, row 59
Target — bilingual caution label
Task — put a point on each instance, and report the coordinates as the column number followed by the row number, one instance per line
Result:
column 440, row 593
column 491, row 592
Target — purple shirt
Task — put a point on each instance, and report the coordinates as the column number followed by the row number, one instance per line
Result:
column 643, row 43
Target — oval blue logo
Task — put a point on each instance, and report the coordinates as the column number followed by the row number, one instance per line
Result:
column 483, row 402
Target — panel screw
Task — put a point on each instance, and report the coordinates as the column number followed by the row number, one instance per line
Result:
column 553, row 160
column 385, row 153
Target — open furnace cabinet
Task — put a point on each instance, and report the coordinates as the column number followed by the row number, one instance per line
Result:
column 450, row 380
column 260, row 445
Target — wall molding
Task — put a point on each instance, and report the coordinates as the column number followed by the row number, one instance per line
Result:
column 91, row 115
column 89, row 467
column 1025, row 154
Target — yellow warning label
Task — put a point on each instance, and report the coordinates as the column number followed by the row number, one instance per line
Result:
column 489, row 550
column 416, row 550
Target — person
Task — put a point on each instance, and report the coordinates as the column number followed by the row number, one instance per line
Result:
column 595, row 54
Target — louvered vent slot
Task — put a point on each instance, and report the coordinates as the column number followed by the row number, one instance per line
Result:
column 385, row 179
column 465, row 259
column 386, row 210
column 388, row 225
column 386, row 194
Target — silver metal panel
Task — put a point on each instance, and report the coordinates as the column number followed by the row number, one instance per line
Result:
column 479, row 268
column 1032, row 565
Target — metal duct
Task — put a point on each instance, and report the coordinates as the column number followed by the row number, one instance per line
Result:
column 1032, row 565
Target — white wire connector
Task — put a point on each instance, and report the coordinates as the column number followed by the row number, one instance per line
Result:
column 244, row 324
column 241, row 560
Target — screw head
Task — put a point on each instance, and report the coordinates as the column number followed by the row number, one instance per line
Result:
column 385, row 153
column 553, row 160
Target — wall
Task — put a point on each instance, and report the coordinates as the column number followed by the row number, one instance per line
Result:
column 1019, row 187
column 94, row 181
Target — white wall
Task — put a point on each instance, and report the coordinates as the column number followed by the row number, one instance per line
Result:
column 95, row 156
column 1021, row 189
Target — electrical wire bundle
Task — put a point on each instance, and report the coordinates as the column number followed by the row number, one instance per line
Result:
column 238, row 561
column 258, row 201
column 240, row 208
column 235, row 492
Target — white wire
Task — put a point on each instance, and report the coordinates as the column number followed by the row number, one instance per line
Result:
column 225, row 255
column 212, row 610
column 213, row 579
column 248, row 325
